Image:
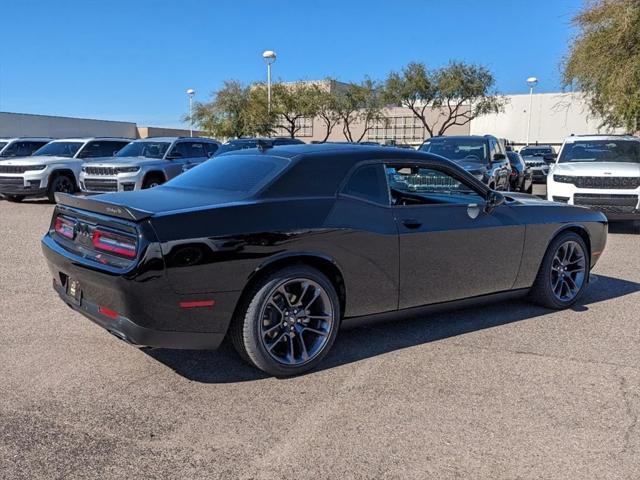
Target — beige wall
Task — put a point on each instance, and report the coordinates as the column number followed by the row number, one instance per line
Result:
column 27, row 125
column 404, row 127
column 145, row 132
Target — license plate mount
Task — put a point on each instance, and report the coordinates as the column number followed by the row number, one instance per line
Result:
column 74, row 291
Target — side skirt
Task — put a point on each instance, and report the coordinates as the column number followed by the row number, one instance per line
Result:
column 352, row 322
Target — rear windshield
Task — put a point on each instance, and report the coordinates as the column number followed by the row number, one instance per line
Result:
column 536, row 151
column 59, row 149
column 232, row 173
column 458, row 149
column 601, row 151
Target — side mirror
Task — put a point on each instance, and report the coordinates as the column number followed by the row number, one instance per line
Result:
column 497, row 157
column 210, row 154
column 550, row 157
column 174, row 155
column 494, row 199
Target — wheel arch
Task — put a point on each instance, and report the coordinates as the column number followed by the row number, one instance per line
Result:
column 320, row 262
column 154, row 173
column 577, row 229
column 63, row 171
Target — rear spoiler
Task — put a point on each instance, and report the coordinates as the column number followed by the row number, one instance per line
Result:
column 102, row 207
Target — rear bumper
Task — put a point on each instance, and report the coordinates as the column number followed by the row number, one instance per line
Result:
column 135, row 334
column 141, row 308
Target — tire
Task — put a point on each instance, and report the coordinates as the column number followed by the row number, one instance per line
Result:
column 530, row 189
column 152, row 181
column 61, row 182
column 267, row 327
column 554, row 276
column 14, row 198
column 492, row 186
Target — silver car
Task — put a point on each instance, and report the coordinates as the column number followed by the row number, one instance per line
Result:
column 145, row 163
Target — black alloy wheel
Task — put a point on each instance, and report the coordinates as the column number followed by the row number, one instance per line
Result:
column 290, row 322
column 564, row 272
column 61, row 183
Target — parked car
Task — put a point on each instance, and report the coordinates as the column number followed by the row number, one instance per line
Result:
column 145, row 163
column 54, row 167
column 245, row 143
column 521, row 178
column 276, row 248
column 599, row 172
column 484, row 157
column 21, row 146
column 538, row 158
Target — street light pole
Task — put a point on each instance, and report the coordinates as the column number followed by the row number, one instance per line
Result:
column 269, row 57
column 532, row 82
column 191, row 92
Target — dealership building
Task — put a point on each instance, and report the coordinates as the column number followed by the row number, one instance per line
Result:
column 553, row 117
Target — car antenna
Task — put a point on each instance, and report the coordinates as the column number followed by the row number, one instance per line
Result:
column 263, row 145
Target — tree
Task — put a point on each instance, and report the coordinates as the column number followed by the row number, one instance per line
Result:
column 458, row 93
column 328, row 109
column 359, row 102
column 235, row 110
column 293, row 102
column 604, row 61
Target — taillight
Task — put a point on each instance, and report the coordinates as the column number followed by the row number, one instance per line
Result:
column 64, row 227
column 114, row 243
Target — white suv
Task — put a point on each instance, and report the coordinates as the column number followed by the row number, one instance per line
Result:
column 598, row 171
column 54, row 167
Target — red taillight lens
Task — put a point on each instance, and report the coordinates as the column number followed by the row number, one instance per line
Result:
column 64, row 227
column 114, row 243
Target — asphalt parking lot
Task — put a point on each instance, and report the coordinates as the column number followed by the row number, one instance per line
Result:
column 502, row 391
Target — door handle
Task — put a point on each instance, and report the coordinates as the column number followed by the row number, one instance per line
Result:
column 412, row 223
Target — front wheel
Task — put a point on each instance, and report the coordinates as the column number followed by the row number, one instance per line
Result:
column 289, row 321
column 564, row 273
column 62, row 183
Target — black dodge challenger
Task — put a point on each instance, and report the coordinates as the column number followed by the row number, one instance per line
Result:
column 275, row 248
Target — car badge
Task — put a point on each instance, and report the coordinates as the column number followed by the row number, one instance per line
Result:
column 607, row 173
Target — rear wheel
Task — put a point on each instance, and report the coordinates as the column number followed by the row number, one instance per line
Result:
column 563, row 274
column 152, row 181
column 288, row 322
column 62, row 183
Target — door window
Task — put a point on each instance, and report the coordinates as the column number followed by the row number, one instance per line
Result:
column 367, row 183
column 417, row 185
column 189, row 150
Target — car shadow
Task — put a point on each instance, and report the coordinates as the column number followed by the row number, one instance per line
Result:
column 629, row 227
column 376, row 338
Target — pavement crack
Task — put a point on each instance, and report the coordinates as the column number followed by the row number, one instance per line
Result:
column 624, row 390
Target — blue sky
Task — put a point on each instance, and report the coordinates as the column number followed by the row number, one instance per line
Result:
column 133, row 59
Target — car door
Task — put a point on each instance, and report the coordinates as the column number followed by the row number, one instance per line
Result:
column 450, row 247
column 185, row 153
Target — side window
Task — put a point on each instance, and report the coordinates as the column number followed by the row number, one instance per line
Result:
column 211, row 148
column 493, row 148
column 367, row 182
column 189, row 150
column 33, row 146
column 417, row 185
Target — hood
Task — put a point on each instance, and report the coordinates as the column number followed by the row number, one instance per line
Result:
column 471, row 166
column 122, row 161
column 39, row 160
column 598, row 169
column 166, row 198
column 526, row 198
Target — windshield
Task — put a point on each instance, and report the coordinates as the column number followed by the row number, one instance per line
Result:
column 458, row 149
column 3, row 144
column 59, row 149
column 144, row 149
column 233, row 173
column 230, row 147
column 601, row 151
column 536, row 151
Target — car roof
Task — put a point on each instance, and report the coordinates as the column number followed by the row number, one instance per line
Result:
column 536, row 146
column 38, row 139
column 173, row 139
column 456, row 137
column 588, row 138
column 87, row 139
